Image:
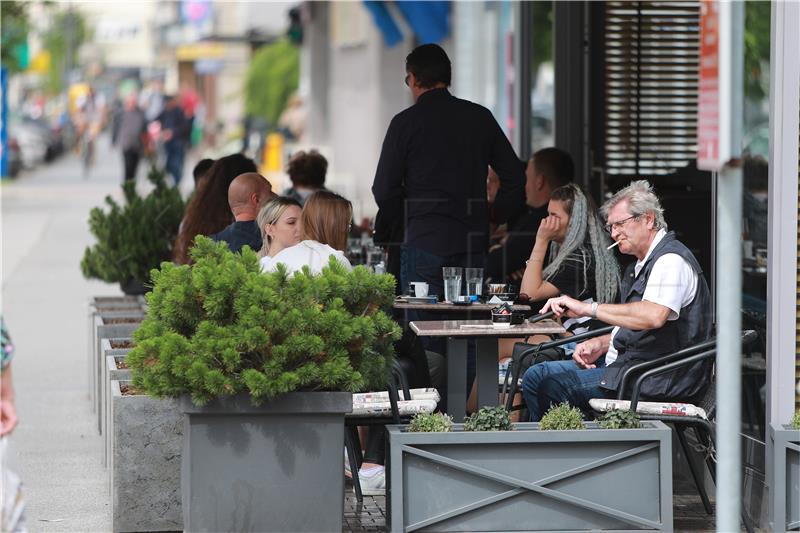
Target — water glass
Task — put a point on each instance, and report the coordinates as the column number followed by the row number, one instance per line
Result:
column 452, row 282
column 474, row 278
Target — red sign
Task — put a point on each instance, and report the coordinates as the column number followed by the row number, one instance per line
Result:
column 708, row 101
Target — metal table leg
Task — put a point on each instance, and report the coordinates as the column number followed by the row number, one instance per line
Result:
column 457, row 378
column 486, row 371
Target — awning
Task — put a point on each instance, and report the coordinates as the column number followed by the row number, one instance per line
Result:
column 430, row 21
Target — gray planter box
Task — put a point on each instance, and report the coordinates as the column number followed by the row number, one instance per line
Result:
column 277, row 467
column 107, row 325
column 785, row 490
column 145, row 463
column 112, row 372
column 530, row 480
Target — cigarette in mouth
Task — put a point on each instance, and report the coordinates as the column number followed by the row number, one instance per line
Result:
column 613, row 245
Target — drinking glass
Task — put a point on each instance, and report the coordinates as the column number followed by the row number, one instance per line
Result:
column 452, row 282
column 474, row 278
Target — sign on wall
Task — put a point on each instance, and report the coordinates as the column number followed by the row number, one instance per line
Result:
column 714, row 88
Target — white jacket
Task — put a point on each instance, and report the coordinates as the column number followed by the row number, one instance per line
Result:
column 312, row 253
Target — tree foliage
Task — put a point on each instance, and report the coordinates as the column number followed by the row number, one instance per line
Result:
column 222, row 327
column 135, row 237
column 67, row 31
column 756, row 48
column 14, row 27
column 273, row 75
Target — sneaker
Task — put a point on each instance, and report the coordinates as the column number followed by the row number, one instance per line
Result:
column 374, row 485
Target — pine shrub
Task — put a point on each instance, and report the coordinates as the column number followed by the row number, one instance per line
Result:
column 135, row 237
column 431, row 423
column 489, row 419
column 561, row 417
column 222, row 327
column 620, row 419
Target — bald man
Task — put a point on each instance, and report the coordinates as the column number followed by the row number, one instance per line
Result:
column 246, row 194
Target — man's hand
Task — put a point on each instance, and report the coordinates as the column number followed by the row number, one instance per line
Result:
column 548, row 228
column 566, row 306
column 8, row 417
column 587, row 352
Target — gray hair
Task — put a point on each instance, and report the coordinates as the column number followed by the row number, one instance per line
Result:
column 269, row 214
column 585, row 240
column 641, row 200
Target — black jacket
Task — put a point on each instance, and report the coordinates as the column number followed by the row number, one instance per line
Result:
column 240, row 233
column 432, row 175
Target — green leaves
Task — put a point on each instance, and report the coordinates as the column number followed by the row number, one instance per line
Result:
column 430, row 422
column 619, row 419
column 133, row 238
column 562, row 417
column 489, row 419
column 266, row 334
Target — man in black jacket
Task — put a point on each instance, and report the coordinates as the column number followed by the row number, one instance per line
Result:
column 432, row 174
column 247, row 193
column 665, row 307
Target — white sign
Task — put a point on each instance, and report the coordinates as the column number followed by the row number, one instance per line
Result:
column 115, row 30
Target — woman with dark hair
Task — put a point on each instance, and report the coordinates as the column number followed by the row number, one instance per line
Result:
column 307, row 171
column 324, row 225
column 208, row 211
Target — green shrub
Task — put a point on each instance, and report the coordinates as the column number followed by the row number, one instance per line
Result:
column 133, row 238
column 431, row 423
column 561, row 417
column 222, row 327
column 796, row 420
column 620, row 419
column 489, row 419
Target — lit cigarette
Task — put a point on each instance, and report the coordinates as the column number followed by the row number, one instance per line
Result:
column 613, row 245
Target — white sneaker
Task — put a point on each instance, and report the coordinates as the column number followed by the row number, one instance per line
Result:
column 374, row 485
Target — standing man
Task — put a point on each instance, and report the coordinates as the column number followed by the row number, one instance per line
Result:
column 130, row 135
column 247, row 193
column 665, row 306
column 174, row 132
column 432, row 174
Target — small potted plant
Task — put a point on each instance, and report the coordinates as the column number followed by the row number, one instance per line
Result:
column 484, row 474
column 135, row 237
column 264, row 365
column 785, row 488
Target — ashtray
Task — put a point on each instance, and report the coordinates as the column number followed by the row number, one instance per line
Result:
column 503, row 316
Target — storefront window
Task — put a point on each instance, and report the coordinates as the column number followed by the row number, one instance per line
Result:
column 542, row 76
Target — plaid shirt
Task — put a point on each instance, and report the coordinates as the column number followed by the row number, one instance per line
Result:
column 6, row 346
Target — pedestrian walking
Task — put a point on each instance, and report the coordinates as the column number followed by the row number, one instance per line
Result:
column 131, row 136
column 175, row 134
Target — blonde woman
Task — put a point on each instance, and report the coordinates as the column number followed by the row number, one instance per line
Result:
column 324, row 225
column 279, row 222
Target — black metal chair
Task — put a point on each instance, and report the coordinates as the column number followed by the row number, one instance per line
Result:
column 522, row 359
column 396, row 384
column 703, row 427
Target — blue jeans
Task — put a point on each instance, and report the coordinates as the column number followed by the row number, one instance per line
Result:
column 175, row 155
column 554, row 382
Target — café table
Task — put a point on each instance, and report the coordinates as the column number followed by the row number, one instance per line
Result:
column 447, row 307
column 485, row 335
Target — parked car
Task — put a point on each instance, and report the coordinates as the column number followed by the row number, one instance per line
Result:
column 14, row 157
column 32, row 143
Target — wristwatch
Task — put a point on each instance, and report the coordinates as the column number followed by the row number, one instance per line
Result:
column 594, row 309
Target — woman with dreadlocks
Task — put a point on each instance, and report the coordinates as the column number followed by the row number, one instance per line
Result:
column 581, row 265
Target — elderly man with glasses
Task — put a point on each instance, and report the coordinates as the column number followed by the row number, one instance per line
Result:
column 665, row 307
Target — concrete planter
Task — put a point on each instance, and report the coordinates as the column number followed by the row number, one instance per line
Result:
column 145, row 462
column 112, row 372
column 114, row 324
column 785, row 489
column 530, row 480
column 276, row 467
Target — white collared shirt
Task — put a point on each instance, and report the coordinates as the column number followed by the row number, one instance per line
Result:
column 672, row 283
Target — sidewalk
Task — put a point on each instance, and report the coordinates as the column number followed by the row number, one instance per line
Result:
column 56, row 448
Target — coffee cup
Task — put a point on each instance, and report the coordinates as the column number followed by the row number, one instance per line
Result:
column 418, row 289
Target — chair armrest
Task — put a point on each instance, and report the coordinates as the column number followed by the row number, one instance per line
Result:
column 650, row 363
column 666, row 368
column 536, row 348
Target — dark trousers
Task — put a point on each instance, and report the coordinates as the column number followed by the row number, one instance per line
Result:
column 175, row 153
column 130, row 159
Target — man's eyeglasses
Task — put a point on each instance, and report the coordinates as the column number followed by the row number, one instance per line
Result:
column 618, row 224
